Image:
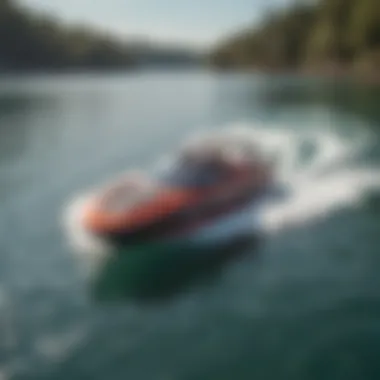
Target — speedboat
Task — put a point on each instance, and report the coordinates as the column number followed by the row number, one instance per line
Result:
column 209, row 183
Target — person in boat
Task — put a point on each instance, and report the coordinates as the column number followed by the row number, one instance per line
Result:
column 196, row 168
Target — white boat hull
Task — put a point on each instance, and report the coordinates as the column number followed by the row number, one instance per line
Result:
column 244, row 222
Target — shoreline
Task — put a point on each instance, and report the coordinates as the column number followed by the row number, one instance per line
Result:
column 336, row 73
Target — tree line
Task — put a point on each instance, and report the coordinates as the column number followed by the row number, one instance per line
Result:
column 31, row 41
column 323, row 33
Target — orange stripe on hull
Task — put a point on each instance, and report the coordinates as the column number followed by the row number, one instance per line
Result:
column 99, row 220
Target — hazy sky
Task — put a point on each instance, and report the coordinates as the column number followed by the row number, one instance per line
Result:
column 199, row 22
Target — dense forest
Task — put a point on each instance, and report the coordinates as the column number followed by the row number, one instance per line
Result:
column 30, row 41
column 325, row 34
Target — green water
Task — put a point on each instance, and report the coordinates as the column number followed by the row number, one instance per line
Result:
column 303, row 304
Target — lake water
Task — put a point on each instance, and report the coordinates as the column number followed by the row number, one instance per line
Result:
column 303, row 304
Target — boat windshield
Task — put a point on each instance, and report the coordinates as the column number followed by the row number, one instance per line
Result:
column 190, row 174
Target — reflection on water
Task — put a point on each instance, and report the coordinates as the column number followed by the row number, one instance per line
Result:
column 160, row 273
column 357, row 100
column 13, row 140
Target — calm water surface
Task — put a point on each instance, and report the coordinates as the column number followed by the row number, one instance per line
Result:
column 306, row 305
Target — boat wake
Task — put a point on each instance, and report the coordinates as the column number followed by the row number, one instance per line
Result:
column 320, row 171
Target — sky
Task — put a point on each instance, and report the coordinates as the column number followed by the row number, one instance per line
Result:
column 199, row 23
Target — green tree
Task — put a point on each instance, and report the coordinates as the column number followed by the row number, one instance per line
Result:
column 343, row 32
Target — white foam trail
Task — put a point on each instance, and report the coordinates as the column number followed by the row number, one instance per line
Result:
column 81, row 240
column 317, row 199
column 328, row 182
